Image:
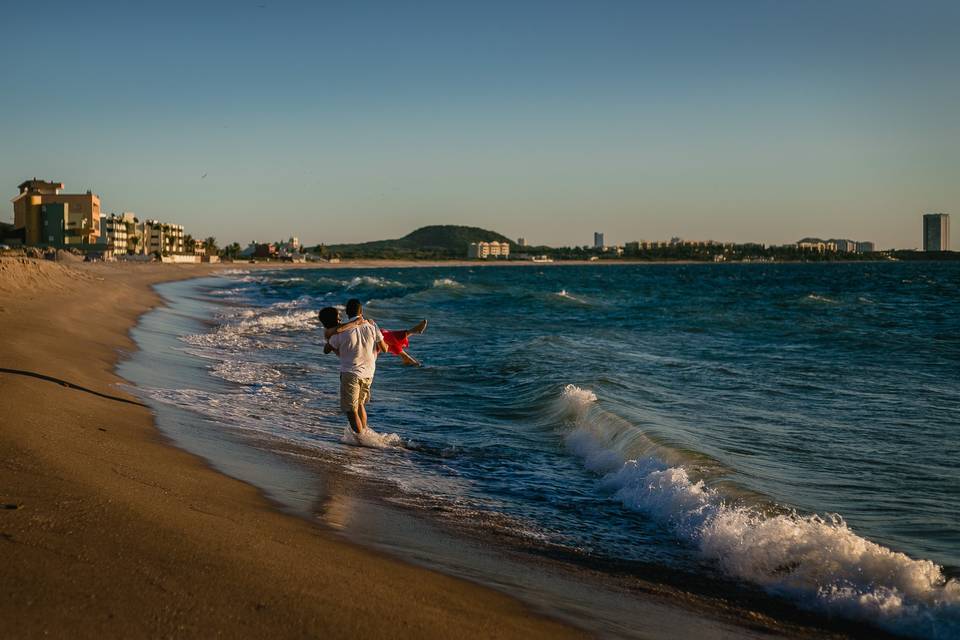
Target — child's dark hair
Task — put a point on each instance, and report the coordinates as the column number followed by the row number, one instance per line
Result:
column 329, row 317
column 353, row 308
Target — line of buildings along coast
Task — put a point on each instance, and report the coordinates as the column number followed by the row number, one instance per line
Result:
column 45, row 216
column 936, row 237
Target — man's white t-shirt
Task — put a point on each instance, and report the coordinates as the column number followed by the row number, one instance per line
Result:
column 358, row 349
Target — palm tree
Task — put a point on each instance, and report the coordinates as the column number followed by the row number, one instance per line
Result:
column 211, row 244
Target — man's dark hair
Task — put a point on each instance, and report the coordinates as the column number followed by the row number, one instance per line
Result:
column 329, row 317
column 353, row 308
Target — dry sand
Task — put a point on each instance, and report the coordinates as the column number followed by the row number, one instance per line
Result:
column 108, row 530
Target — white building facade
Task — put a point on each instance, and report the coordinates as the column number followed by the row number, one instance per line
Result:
column 484, row 250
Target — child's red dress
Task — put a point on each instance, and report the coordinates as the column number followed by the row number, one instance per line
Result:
column 396, row 341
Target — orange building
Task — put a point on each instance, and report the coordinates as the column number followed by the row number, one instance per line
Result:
column 82, row 212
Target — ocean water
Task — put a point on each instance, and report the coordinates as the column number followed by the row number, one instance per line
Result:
column 791, row 428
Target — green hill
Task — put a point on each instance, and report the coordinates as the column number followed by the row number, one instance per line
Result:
column 433, row 242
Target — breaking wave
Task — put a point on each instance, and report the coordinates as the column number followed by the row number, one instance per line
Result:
column 815, row 560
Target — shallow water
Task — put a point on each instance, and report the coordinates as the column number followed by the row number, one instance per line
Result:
column 790, row 427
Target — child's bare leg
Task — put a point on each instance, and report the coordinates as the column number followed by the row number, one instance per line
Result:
column 418, row 328
column 408, row 360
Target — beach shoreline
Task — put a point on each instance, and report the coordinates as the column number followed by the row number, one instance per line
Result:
column 72, row 514
column 112, row 531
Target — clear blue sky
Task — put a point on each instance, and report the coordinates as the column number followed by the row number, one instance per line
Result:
column 343, row 121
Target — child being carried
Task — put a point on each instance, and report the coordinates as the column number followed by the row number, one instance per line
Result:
column 396, row 341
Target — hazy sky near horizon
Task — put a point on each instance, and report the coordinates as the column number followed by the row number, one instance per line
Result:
column 756, row 121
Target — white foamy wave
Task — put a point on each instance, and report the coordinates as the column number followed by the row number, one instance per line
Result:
column 234, row 272
column 813, row 297
column 306, row 319
column 241, row 372
column 372, row 281
column 370, row 438
column 446, row 283
column 247, row 331
column 818, row 561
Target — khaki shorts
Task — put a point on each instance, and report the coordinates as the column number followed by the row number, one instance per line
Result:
column 354, row 391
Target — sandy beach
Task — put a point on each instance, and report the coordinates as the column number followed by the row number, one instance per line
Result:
column 108, row 530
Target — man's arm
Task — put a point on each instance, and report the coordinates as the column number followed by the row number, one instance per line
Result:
column 381, row 345
column 327, row 348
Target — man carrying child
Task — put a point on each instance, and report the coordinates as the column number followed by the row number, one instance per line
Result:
column 357, row 348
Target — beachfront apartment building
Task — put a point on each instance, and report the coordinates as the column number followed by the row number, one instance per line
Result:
column 936, row 232
column 484, row 250
column 598, row 240
column 79, row 212
column 118, row 233
column 161, row 238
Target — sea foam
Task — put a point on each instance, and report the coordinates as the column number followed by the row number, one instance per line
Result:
column 815, row 560
column 370, row 438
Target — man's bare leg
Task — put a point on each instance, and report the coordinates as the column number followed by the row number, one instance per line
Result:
column 362, row 414
column 355, row 421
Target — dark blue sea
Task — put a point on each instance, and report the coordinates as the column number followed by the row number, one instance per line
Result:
column 793, row 429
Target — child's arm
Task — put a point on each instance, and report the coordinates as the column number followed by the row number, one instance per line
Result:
column 340, row 328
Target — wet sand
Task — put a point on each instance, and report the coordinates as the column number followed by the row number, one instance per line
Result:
column 108, row 530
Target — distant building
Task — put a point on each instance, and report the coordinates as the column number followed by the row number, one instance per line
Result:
column 844, row 246
column 865, row 246
column 162, row 237
column 598, row 240
column 521, row 242
column 289, row 247
column 81, row 211
column 116, row 232
column 816, row 244
column 53, row 223
column 936, row 232
column 484, row 250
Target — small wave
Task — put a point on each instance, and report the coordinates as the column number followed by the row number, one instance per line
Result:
column 813, row 297
column 818, row 561
column 248, row 373
column 372, row 281
column 446, row 283
column 234, row 272
column 371, row 439
column 226, row 292
column 564, row 294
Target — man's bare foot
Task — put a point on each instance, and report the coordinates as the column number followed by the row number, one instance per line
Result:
column 420, row 327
